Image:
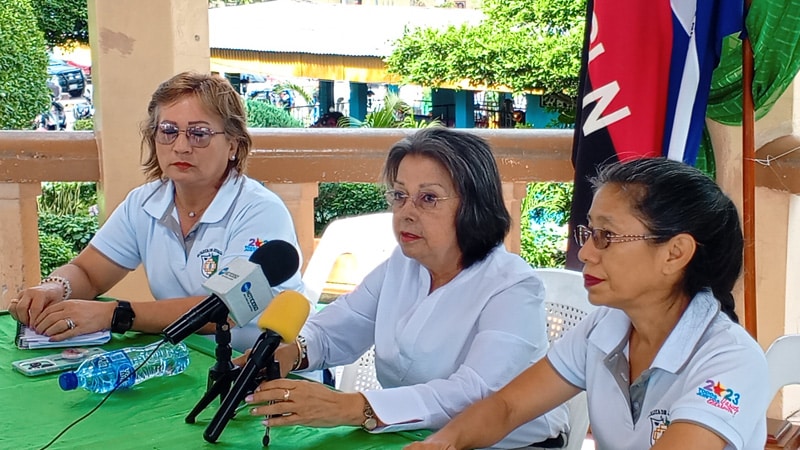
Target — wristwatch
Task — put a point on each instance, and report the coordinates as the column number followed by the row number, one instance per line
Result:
column 122, row 320
column 370, row 422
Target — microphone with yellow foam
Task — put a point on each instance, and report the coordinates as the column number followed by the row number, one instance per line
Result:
column 281, row 322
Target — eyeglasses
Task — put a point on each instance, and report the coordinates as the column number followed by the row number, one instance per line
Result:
column 603, row 238
column 423, row 200
column 198, row 137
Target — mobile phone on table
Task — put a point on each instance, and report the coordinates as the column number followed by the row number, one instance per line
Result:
column 69, row 358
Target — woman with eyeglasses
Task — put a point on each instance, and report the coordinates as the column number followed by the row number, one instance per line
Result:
column 195, row 215
column 663, row 361
column 452, row 315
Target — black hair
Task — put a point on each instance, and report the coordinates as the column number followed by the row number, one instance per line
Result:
column 670, row 198
column 482, row 220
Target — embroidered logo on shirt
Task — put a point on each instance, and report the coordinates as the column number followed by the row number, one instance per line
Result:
column 253, row 244
column 717, row 395
column 209, row 261
column 659, row 421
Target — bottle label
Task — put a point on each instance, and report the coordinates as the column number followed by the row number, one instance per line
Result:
column 126, row 375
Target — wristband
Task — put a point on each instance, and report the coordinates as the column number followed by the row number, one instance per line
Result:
column 64, row 284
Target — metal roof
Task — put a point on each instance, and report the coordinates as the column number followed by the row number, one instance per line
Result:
column 288, row 26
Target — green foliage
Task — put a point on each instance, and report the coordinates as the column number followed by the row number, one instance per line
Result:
column 75, row 230
column 266, row 115
column 23, row 66
column 54, row 252
column 543, row 224
column 395, row 113
column 523, row 45
column 346, row 199
column 83, row 125
column 65, row 23
column 71, row 198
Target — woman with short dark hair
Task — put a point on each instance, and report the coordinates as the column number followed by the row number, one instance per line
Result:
column 453, row 316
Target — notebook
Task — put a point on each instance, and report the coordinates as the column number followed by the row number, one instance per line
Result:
column 29, row 339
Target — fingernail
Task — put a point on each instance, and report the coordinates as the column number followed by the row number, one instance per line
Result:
column 253, row 412
column 248, row 399
column 265, row 422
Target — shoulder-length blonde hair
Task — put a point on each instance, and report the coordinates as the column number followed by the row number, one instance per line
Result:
column 218, row 98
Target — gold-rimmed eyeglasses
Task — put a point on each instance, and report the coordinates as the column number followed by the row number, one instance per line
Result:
column 423, row 200
column 198, row 137
column 603, row 238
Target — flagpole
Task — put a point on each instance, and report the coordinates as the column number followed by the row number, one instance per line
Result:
column 748, row 184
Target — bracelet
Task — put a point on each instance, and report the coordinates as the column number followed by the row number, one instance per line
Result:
column 302, row 352
column 63, row 282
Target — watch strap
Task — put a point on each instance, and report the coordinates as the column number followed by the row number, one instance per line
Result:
column 122, row 320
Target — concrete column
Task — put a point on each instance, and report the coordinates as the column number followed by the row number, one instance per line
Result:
column 358, row 100
column 136, row 44
column 465, row 109
column 535, row 115
column 299, row 198
column 19, row 221
column 513, row 194
column 443, row 104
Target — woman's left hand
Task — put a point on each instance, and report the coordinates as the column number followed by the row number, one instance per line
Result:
column 71, row 318
column 292, row 402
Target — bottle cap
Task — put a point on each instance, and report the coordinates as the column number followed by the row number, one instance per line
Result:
column 68, row 381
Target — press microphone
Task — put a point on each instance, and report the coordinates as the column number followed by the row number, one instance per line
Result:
column 239, row 291
column 281, row 322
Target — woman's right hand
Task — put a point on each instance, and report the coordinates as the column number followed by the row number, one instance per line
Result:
column 30, row 303
column 285, row 355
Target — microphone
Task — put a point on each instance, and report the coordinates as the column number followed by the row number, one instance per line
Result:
column 281, row 321
column 232, row 289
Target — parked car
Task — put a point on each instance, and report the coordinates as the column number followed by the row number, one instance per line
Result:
column 69, row 78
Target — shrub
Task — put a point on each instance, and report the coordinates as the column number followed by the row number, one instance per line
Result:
column 83, row 125
column 54, row 252
column 266, row 115
column 346, row 199
column 543, row 224
column 75, row 230
column 23, row 66
column 68, row 198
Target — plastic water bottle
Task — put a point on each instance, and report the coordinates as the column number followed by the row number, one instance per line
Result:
column 101, row 373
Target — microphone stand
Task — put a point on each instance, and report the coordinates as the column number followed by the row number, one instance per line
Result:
column 223, row 372
column 260, row 366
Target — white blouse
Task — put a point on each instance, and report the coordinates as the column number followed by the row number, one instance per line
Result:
column 437, row 353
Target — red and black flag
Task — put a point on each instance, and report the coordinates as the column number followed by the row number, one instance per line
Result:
column 645, row 76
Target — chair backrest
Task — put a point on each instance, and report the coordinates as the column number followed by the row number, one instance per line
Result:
column 360, row 375
column 368, row 238
column 783, row 359
column 567, row 303
column 566, row 300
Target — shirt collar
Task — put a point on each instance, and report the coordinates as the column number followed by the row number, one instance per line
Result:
column 162, row 200
column 679, row 346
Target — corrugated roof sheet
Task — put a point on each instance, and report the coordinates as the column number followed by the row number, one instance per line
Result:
column 289, row 26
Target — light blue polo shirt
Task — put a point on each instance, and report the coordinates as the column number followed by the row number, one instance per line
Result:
column 144, row 229
column 709, row 371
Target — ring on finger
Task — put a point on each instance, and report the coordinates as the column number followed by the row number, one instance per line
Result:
column 286, row 394
column 70, row 323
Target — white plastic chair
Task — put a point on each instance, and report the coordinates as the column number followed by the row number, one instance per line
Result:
column 567, row 303
column 368, row 238
column 360, row 375
column 783, row 359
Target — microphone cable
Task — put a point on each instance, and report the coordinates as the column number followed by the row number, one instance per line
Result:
column 119, row 383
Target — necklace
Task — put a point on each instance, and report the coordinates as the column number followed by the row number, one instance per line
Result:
column 192, row 214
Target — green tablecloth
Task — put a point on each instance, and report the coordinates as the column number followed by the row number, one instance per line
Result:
column 149, row 416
